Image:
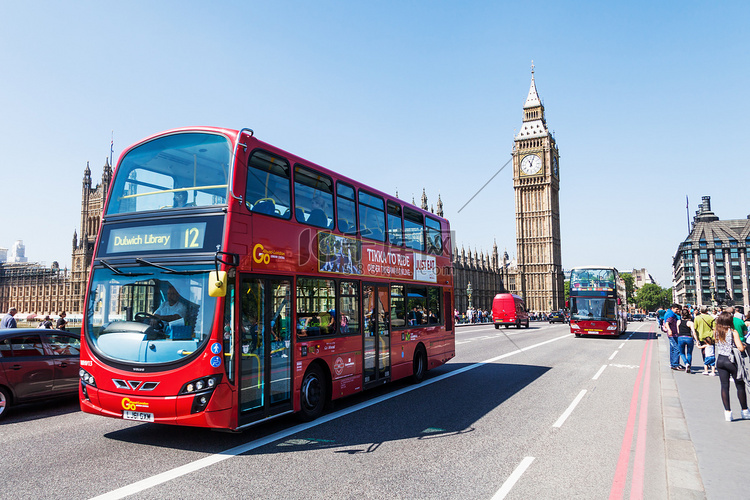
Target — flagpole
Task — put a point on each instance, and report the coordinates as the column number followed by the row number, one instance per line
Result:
column 111, row 148
column 687, row 212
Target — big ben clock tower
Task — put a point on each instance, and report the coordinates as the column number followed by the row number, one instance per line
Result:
column 536, row 182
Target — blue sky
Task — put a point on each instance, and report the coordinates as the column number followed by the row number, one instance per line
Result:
column 647, row 102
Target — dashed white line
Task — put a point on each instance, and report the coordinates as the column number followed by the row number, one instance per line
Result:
column 599, row 372
column 514, row 477
column 613, row 355
column 570, row 409
column 622, row 345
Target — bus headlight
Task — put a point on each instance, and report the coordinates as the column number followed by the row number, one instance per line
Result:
column 574, row 326
column 200, row 384
column 86, row 377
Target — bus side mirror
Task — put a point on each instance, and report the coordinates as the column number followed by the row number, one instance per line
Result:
column 217, row 283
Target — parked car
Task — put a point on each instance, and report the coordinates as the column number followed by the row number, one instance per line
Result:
column 556, row 317
column 37, row 364
column 638, row 317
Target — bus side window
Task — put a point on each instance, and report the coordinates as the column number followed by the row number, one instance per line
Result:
column 313, row 196
column 346, row 206
column 268, row 185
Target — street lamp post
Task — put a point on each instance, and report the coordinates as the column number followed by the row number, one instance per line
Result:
column 468, row 292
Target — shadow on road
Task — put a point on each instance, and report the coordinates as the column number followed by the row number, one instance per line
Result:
column 436, row 410
column 27, row 412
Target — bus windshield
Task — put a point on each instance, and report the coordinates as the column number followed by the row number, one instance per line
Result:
column 588, row 279
column 175, row 171
column 148, row 315
column 589, row 308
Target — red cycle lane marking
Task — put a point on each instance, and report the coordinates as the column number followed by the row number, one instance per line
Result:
column 639, row 462
column 621, row 472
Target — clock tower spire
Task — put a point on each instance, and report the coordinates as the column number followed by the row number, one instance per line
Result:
column 536, row 183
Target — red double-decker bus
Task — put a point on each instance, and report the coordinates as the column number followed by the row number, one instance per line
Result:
column 234, row 282
column 598, row 304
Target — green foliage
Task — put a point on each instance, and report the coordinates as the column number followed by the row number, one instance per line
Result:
column 651, row 297
column 629, row 287
column 566, row 288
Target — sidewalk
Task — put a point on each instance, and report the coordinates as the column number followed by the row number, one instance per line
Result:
column 706, row 456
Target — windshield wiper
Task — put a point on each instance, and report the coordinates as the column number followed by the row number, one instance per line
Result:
column 172, row 271
column 117, row 271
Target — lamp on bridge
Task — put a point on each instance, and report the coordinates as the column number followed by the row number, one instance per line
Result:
column 469, row 290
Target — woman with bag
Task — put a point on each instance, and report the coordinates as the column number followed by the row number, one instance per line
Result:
column 686, row 338
column 728, row 339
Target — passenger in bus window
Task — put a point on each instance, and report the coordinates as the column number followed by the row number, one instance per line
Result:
column 180, row 199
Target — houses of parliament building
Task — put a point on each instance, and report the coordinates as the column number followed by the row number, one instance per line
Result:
column 33, row 288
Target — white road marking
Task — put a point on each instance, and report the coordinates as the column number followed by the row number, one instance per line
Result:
column 165, row 476
column 622, row 345
column 570, row 409
column 599, row 372
column 514, row 477
column 613, row 355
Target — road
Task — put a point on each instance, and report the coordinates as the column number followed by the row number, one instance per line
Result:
column 530, row 413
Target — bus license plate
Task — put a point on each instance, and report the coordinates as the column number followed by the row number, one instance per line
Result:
column 138, row 415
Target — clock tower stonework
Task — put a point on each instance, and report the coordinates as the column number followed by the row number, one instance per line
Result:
column 536, row 182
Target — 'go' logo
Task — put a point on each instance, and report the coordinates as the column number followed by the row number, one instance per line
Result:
column 127, row 404
column 260, row 255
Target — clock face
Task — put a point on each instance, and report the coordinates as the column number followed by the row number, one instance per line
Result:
column 531, row 164
column 554, row 166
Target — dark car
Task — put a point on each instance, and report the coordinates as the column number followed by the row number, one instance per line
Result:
column 556, row 317
column 638, row 317
column 37, row 364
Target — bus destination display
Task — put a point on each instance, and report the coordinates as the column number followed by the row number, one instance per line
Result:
column 157, row 238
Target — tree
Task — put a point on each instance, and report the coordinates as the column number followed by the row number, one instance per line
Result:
column 629, row 286
column 651, row 297
column 566, row 288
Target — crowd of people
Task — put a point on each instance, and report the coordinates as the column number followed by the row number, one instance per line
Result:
column 9, row 321
column 721, row 336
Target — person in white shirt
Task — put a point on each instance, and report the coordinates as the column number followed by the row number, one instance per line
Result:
column 171, row 309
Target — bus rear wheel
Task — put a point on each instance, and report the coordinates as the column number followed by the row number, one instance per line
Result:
column 420, row 365
column 312, row 394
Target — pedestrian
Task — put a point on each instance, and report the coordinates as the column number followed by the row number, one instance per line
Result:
column 8, row 320
column 61, row 321
column 737, row 323
column 686, row 338
column 45, row 323
column 660, row 317
column 727, row 339
column 704, row 325
column 709, row 357
column 671, row 318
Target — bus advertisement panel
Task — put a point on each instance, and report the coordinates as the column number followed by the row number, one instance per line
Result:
column 597, row 301
column 233, row 282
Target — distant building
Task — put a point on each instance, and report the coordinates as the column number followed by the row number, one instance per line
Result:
column 641, row 277
column 3, row 254
column 18, row 252
column 36, row 289
column 711, row 265
column 485, row 274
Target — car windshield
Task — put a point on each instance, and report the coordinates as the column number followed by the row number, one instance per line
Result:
column 582, row 308
column 175, row 171
column 150, row 316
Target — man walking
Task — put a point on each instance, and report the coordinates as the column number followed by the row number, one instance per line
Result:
column 670, row 322
column 704, row 325
column 8, row 320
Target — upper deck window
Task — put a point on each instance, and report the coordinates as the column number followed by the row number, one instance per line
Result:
column 371, row 216
column 395, row 231
column 313, row 197
column 346, row 206
column 414, row 229
column 434, row 236
column 174, row 171
column 268, row 185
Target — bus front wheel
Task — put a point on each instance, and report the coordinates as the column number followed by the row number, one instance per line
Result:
column 312, row 394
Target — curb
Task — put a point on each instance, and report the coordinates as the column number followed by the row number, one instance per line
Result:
column 683, row 476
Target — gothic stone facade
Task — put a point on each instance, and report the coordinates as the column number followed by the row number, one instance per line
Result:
column 35, row 289
column 536, row 182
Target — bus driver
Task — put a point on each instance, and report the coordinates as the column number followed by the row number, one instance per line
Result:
column 171, row 309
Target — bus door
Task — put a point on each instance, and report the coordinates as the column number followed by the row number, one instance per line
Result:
column 377, row 332
column 265, row 371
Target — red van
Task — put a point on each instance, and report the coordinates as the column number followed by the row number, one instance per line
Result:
column 509, row 309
